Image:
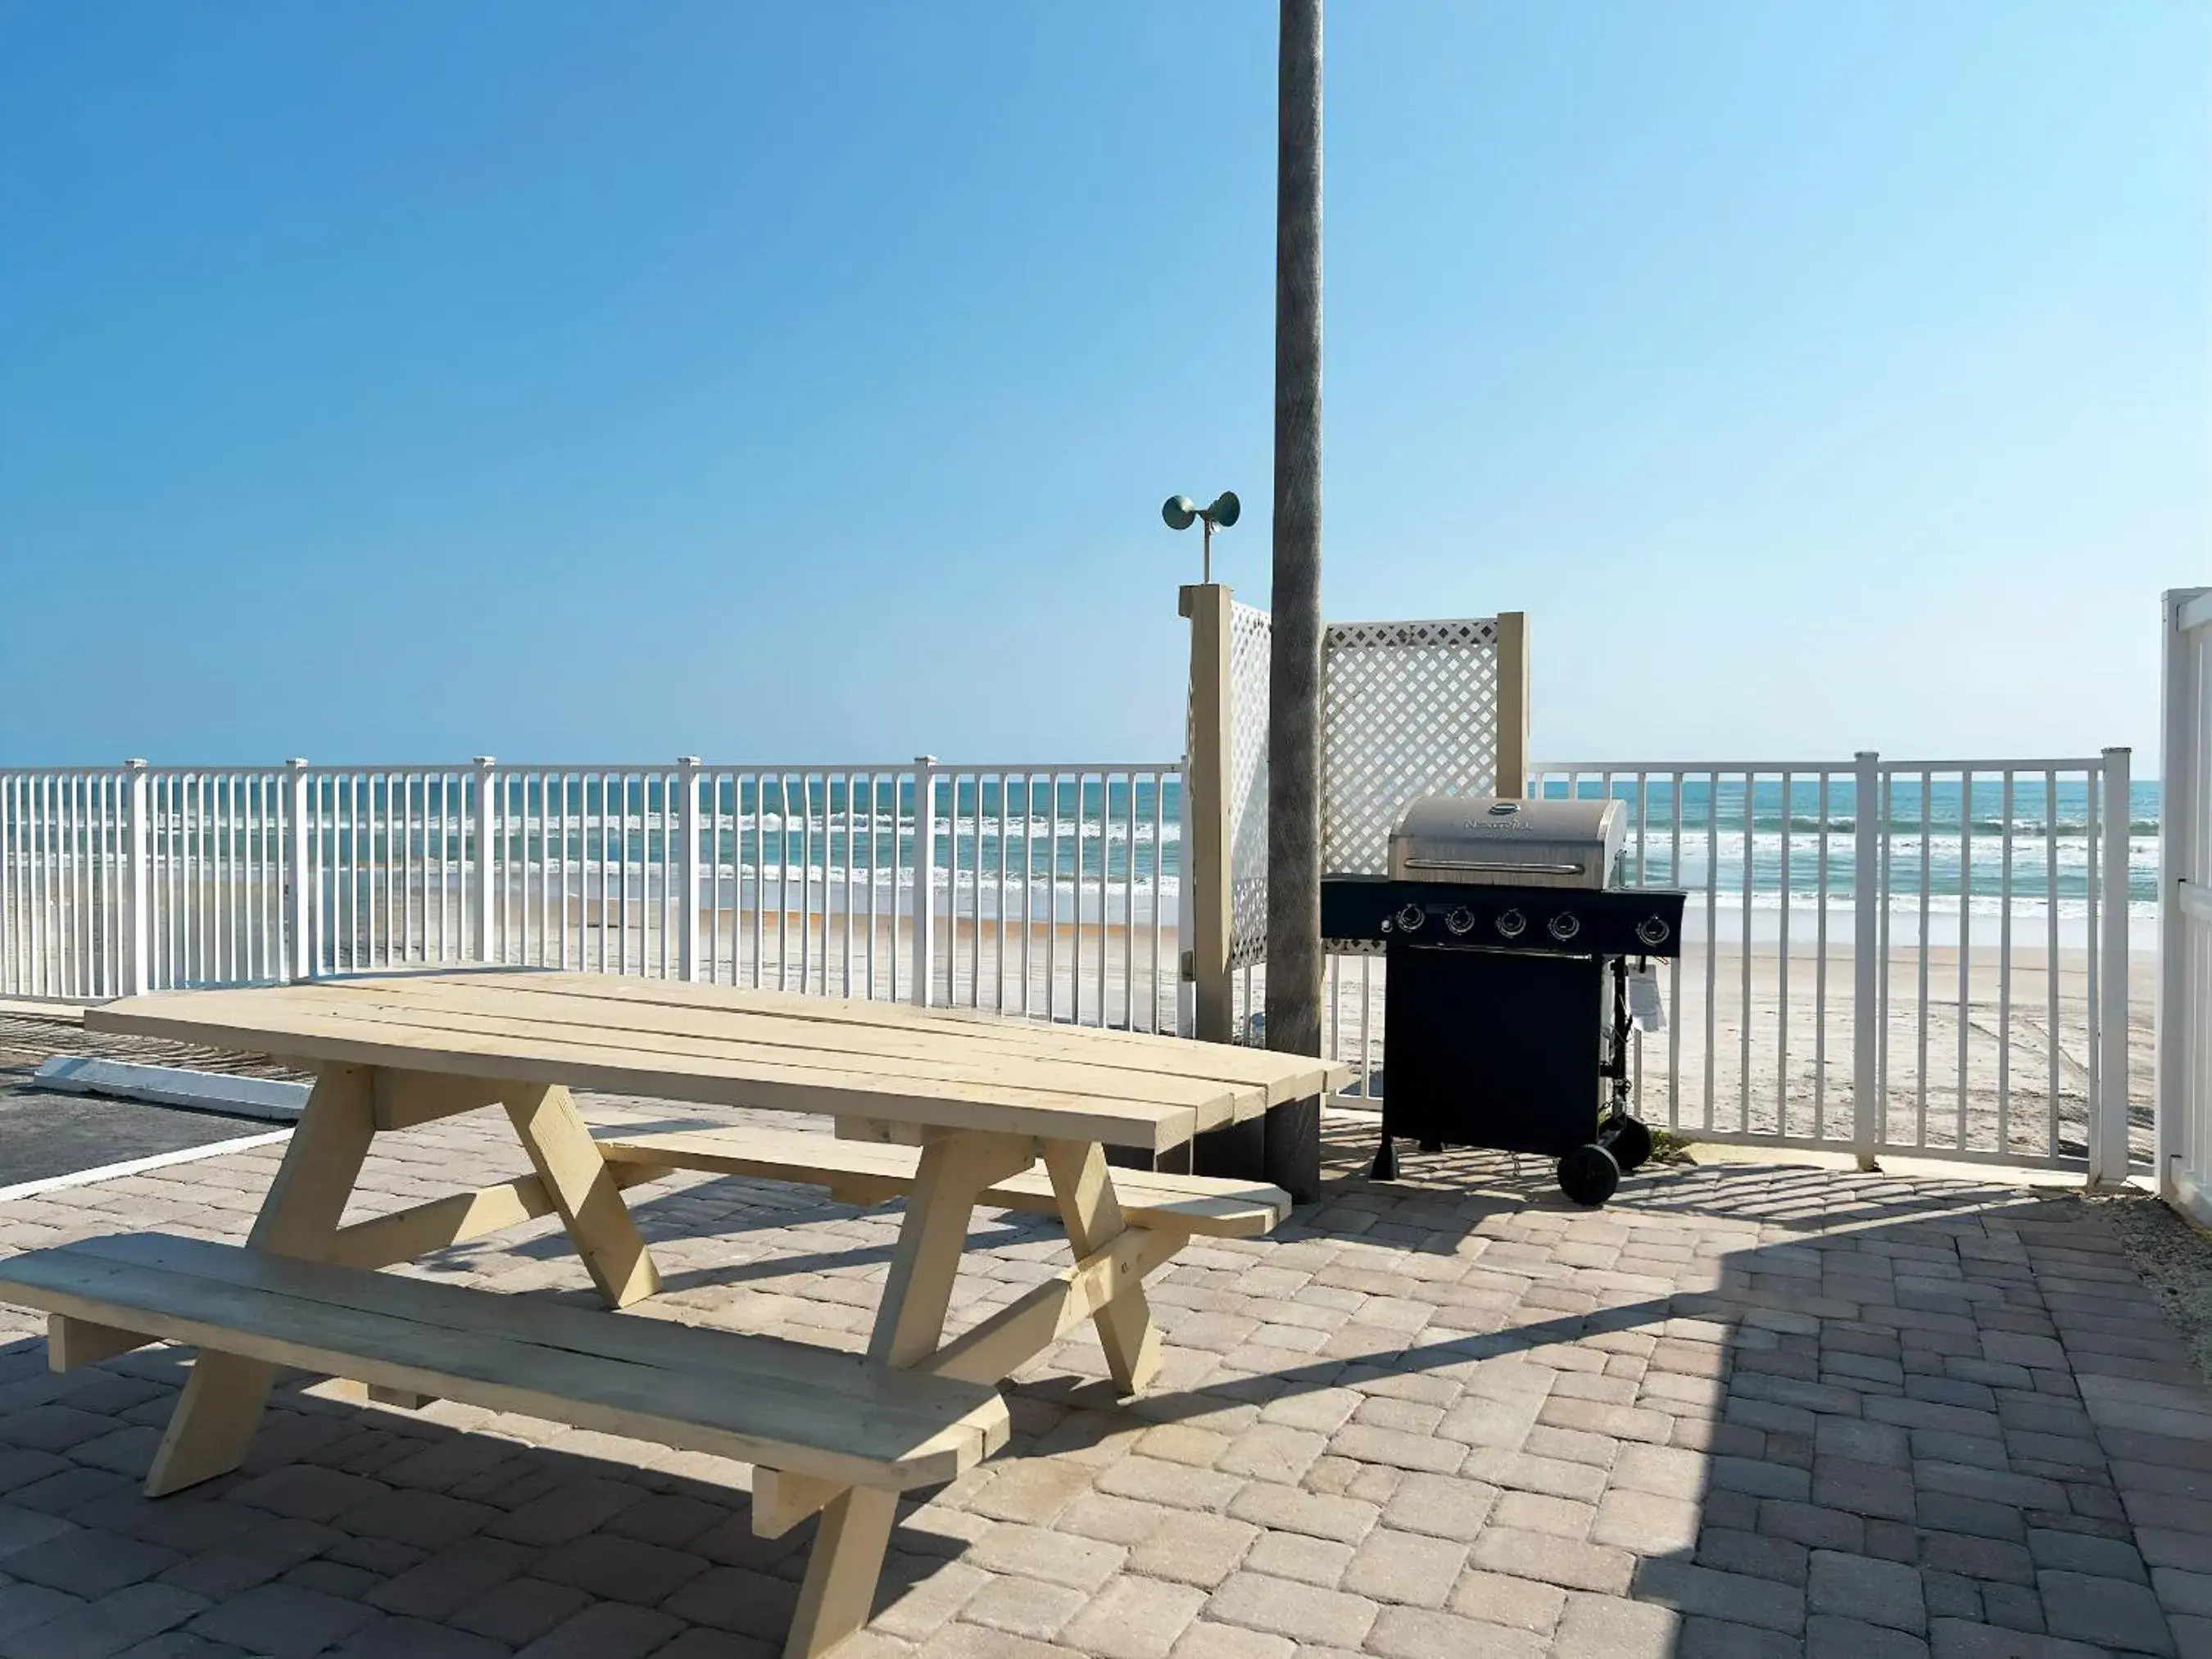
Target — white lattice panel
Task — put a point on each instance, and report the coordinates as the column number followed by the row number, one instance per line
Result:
column 1407, row 709
column 1251, row 633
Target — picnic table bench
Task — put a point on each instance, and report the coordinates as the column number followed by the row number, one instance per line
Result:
column 946, row 1113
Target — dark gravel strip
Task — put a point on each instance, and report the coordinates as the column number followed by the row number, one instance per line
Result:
column 2173, row 1257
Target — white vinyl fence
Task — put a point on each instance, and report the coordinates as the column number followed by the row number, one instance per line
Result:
column 1969, row 998
column 2185, row 901
column 1050, row 888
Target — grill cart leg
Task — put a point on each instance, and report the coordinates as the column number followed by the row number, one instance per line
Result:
column 1386, row 1160
column 1621, row 1134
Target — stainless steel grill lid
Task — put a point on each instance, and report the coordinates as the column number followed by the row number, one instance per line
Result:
column 1485, row 841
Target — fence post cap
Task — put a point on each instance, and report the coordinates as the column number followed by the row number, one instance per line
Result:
column 1187, row 596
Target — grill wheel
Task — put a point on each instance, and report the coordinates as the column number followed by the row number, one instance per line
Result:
column 1588, row 1175
column 1627, row 1139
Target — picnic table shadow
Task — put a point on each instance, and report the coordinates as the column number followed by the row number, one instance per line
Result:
column 329, row 1480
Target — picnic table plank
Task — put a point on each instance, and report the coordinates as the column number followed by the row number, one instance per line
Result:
column 1285, row 1076
column 266, row 1022
column 746, row 1397
column 1150, row 1198
column 947, row 1050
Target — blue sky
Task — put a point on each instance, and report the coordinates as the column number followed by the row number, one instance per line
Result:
column 575, row 382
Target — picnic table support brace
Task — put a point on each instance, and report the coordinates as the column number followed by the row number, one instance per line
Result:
column 74, row 1342
column 1093, row 1215
column 782, row 1499
column 584, row 1189
column 994, row 1349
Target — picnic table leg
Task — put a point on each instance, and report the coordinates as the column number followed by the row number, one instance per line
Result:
column 932, row 1237
column 222, row 1405
column 847, row 1559
column 841, row 1573
column 583, row 1190
column 1091, row 1213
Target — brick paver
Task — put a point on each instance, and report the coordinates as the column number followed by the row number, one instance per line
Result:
column 1745, row 1410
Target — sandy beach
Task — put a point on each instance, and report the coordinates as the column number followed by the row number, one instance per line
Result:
column 1759, row 1042
column 1752, row 1050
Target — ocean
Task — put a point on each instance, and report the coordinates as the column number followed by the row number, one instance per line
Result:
column 1756, row 845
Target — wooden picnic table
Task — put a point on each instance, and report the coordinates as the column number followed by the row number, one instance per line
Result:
column 947, row 1111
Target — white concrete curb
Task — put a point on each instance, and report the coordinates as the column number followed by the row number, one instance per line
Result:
column 271, row 1099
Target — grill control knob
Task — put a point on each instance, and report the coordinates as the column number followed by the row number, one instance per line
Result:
column 1460, row 921
column 1511, row 924
column 1653, row 930
column 1564, row 926
column 1411, row 918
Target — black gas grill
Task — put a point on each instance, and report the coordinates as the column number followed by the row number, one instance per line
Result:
column 1508, row 943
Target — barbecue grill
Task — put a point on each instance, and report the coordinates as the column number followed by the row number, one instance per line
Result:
column 1509, row 945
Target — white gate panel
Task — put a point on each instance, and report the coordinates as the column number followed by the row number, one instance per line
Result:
column 2184, row 1132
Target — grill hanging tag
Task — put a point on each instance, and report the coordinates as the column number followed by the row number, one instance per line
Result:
column 1645, row 1006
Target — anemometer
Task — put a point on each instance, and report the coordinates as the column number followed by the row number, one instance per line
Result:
column 1181, row 513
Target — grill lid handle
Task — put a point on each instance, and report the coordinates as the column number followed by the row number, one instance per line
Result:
column 1495, row 866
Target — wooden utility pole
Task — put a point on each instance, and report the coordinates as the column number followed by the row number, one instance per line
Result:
column 1294, row 959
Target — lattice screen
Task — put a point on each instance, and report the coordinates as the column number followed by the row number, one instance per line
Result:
column 1251, row 632
column 1407, row 709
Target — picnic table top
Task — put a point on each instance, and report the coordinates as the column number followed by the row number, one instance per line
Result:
column 725, row 1045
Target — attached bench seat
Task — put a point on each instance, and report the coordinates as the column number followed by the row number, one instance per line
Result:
column 870, row 1172
column 759, row 1400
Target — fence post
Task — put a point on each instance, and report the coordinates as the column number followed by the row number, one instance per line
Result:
column 924, row 928
column 9, row 981
column 487, row 863
column 1512, row 703
column 2181, row 783
column 2108, row 1106
column 138, row 975
column 687, row 828
column 1205, row 796
column 1185, row 901
column 1867, row 1013
column 299, row 893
